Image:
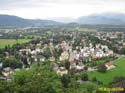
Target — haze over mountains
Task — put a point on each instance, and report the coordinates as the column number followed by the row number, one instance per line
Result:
column 9, row 20
column 104, row 18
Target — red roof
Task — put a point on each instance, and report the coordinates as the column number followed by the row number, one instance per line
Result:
column 72, row 62
column 109, row 63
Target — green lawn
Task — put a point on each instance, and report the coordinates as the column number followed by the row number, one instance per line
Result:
column 4, row 42
column 86, row 30
column 107, row 77
column 99, row 61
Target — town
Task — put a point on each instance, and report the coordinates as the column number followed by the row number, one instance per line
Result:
column 83, row 54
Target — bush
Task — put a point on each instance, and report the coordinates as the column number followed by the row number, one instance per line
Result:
column 85, row 77
column 102, row 68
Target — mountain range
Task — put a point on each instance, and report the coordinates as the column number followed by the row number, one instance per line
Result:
column 104, row 18
column 10, row 20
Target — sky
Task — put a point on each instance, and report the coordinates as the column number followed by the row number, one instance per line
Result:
column 42, row 9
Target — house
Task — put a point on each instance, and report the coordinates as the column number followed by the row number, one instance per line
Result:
column 109, row 65
column 73, row 55
column 92, row 69
column 27, row 51
column 86, row 54
column 1, row 65
column 92, row 50
column 38, row 45
column 2, row 78
column 104, row 47
column 51, row 46
column 38, row 50
column 99, row 53
column 98, row 46
column 77, row 56
column 86, row 59
column 94, row 57
column 62, row 71
column 7, row 71
column 72, row 64
column 64, row 56
column 34, row 52
column 52, row 58
column 110, row 52
column 79, row 67
column 63, row 45
column 39, row 58
column 17, row 69
column 6, row 54
column 25, row 60
column 55, row 66
column 9, row 77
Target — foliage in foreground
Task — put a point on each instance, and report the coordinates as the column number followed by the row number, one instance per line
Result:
column 41, row 79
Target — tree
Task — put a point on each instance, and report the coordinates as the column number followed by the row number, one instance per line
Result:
column 65, row 79
column 85, row 77
column 85, row 68
column 94, row 79
column 67, row 65
column 122, row 51
column 42, row 79
column 47, row 53
column 88, row 87
column 102, row 68
column 11, row 62
column 118, row 79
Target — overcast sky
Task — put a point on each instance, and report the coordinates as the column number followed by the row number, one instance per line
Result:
column 59, row 8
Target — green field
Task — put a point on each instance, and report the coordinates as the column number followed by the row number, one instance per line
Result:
column 4, row 42
column 99, row 61
column 86, row 30
column 107, row 77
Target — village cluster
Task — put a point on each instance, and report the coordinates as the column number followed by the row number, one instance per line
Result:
column 77, row 50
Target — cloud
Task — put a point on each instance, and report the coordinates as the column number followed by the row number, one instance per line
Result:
column 35, row 3
column 5, row 4
column 59, row 8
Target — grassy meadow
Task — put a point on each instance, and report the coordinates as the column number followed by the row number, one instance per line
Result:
column 4, row 42
column 108, row 77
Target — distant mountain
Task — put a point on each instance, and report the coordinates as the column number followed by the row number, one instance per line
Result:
column 8, row 20
column 104, row 18
column 63, row 19
column 95, row 19
column 120, row 16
